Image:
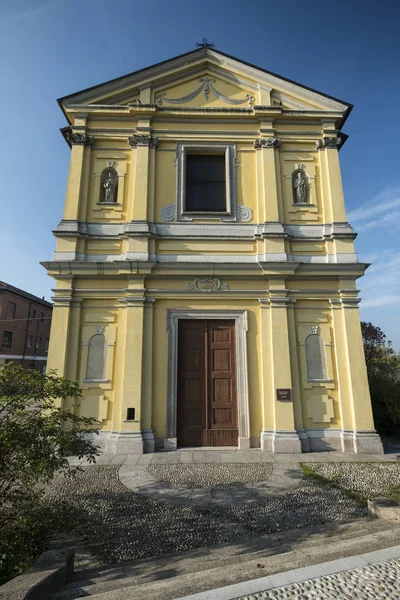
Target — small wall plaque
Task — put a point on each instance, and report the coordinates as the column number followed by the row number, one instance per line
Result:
column 284, row 395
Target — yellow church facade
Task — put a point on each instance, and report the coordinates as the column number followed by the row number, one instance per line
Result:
column 205, row 272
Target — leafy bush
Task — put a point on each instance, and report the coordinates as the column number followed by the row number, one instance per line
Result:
column 383, row 367
column 36, row 436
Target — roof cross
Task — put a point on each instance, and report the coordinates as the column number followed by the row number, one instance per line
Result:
column 205, row 44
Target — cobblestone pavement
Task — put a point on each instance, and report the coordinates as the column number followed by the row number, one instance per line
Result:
column 374, row 582
column 217, row 476
column 120, row 525
column 367, row 479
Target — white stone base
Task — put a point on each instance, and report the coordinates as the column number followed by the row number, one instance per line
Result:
column 124, row 442
column 304, row 440
column 286, row 442
column 280, row 442
column 367, row 442
column 244, row 444
column 324, row 440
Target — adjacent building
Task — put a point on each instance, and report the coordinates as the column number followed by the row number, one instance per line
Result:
column 206, row 277
column 25, row 322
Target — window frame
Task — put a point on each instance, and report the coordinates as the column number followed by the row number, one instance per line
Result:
column 29, row 341
column 14, row 311
column 11, row 338
column 220, row 148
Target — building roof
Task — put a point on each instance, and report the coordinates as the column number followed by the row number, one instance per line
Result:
column 205, row 52
column 6, row 287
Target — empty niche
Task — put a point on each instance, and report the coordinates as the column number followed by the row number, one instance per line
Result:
column 315, row 355
column 96, row 357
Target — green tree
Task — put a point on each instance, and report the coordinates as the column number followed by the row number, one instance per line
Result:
column 36, row 437
column 383, row 367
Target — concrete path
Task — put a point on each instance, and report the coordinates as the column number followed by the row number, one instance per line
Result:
column 175, row 476
column 369, row 576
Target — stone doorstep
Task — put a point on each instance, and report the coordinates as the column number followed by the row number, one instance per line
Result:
column 168, row 577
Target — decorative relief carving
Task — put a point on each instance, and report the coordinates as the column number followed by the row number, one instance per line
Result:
column 329, row 142
column 168, row 212
column 244, row 214
column 207, row 284
column 80, row 138
column 99, row 329
column 272, row 142
column 143, row 140
column 206, row 86
column 315, row 329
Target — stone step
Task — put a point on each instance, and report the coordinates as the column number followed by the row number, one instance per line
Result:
column 176, row 575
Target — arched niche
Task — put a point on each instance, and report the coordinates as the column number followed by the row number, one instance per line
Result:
column 96, row 359
column 109, row 185
column 315, row 357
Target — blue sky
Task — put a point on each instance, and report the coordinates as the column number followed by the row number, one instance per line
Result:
column 347, row 49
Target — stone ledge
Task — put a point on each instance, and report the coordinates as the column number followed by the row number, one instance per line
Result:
column 51, row 571
column 384, row 508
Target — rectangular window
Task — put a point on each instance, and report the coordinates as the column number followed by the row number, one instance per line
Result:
column 39, row 342
column 11, row 309
column 7, row 339
column 33, row 314
column 47, row 345
column 41, row 315
column 30, row 341
column 205, row 183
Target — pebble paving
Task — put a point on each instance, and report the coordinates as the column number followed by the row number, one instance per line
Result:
column 375, row 582
column 218, row 477
column 367, row 479
column 120, row 525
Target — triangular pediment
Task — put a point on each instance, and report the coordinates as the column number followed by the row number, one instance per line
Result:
column 205, row 78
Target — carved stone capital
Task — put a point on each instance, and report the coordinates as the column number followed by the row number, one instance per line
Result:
column 329, row 142
column 143, row 140
column 272, row 142
column 80, row 138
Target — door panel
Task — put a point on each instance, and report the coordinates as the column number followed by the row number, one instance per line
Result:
column 207, row 402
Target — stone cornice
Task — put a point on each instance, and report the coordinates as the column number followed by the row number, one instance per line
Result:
column 328, row 142
column 271, row 142
column 143, row 140
column 193, row 231
column 81, row 139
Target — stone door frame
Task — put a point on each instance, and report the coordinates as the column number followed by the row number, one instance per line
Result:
column 241, row 328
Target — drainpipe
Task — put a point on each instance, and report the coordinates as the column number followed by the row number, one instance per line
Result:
column 26, row 332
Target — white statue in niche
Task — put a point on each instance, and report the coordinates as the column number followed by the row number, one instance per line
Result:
column 299, row 183
column 109, row 181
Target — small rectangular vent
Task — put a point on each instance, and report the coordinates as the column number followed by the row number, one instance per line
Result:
column 130, row 414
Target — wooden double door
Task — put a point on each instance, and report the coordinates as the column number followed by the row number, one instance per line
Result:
column 207, row 391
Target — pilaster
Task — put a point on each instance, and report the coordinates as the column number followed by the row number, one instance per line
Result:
column 358, row 432
column 268, row 147
column 147, row 367
column 143, row 144
column 333, row 198
column 77, row 185
column 283, row 437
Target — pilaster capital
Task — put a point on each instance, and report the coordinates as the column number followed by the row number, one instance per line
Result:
column 81, row 139
column 271, row 142
column 143, row 140
column 328, row 142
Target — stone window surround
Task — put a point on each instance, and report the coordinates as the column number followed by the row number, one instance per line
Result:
column 241, row 327
column 229, row 150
